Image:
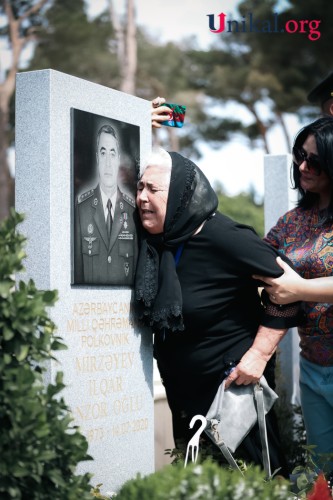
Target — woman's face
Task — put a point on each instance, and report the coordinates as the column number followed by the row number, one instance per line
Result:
column 309, row 179
column 152, row 198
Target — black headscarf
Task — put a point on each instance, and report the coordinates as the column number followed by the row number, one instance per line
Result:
column 191, row 200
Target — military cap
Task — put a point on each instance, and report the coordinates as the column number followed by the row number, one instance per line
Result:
column 323, row 91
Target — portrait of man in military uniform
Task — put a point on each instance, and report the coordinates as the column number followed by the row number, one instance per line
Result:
column 105, row 237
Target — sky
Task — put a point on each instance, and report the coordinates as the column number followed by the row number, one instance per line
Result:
column 234, row 165
column 171, row 19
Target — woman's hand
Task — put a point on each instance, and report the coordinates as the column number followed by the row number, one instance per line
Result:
column 285, row 289
column 253, row 363
column 159, row 113
column 249, row 369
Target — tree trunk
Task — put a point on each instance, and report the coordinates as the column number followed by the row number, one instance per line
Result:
column 173, row 139
column 280, row 119
column 114, row 18
column 261, row 126
column 130, row 63
column 7, row 88
column 6, row 181
column 126, row 46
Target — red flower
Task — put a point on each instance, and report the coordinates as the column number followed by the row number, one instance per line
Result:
column 320, row 490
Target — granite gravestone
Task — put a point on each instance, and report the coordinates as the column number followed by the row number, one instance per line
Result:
column 107, row 368
column 279, row 198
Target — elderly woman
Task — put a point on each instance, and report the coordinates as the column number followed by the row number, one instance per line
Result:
column 194, row 287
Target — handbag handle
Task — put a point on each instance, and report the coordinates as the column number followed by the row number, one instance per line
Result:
column 259, row 397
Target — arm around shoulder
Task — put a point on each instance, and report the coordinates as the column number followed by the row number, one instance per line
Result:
column 316, row 290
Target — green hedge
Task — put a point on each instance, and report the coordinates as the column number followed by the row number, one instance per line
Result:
column 206, row 481
column 39, row 445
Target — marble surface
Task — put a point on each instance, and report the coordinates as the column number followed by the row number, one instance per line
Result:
column 108, row 367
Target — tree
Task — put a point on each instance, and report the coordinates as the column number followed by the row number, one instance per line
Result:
column 106, row 51
column 270, row 71
column 23, row 20
column 250, row 69
column 126, row 46
column 290, row 83
column 70, row 43
column 242, row 208
column 103, row 50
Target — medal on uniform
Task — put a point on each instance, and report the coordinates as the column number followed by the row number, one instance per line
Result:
column 90, row 229
column 125, row 215
column 90, row 242
column 126, row 268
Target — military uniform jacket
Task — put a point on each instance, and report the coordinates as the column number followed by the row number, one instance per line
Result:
column 99, row 261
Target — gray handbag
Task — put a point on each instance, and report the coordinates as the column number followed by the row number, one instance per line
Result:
column 233, row 414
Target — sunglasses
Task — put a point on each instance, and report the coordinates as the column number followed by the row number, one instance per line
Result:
column 312, row 162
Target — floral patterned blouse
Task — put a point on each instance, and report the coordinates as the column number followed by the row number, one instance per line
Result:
column 300, row 235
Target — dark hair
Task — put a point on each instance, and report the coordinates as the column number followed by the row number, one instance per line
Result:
column 107, row 129
column 322, row 130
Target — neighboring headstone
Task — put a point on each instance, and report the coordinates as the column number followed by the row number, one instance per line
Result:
column 279, row 198
column 108, row 368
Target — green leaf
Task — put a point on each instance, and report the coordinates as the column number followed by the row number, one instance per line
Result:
column 302, row 481
column 56, row 477
column 7, row 359
column 58, row 346
column 20, row 470
column 22, row 352
column 49, row 296
column 8, row 334
column 6, row 288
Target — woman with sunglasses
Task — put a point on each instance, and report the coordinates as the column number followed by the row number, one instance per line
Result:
column 305, row 235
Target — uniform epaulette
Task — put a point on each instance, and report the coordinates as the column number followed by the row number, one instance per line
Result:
column 85, row 196
column 129, row 200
